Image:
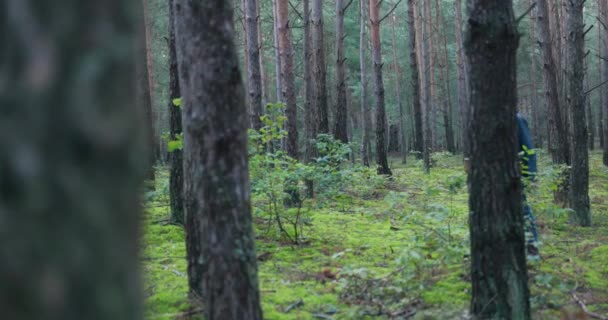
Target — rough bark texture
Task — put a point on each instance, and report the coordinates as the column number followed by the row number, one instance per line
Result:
column 498, row 260
column 254, row 75
column 176, row 158
column 402, row 130
column 150, row 82
column 575, row 52
column 144, row 97
column 288, row 77
column 426, row 88
column 536, row 107
column 310, row 114
column 217, row 178
column 415, row 78
column 381, row 154
column 365, row 109
column 604, row 68
column 72, row 160
column 277, row 53
column 559, row 142
column 340, row 130
column 319, row 68
column 463, row 90
column 589, row 109
column 601, row 32
column 447, row 111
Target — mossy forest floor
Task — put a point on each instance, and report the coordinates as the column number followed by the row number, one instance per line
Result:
column 397, row 251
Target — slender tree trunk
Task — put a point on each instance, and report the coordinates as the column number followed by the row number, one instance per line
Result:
column 604, row 68
column 498, row 261
column 310, row 114
column 73, row 157
column 277, row 53
column 217, row 178
column 262, row 64
column 381, row 154
column 403, row 130
column 288, row 77
column 144, row 97
column 254, row 75
column 176, row 158
column 575, row 51
column 319, row 68
column 559, row 147
column 151, row 83
column 415, row 78
column 426, row 88
column 532, row 75
column 341, row 131
column 365, row 109
column 590, row 117
column 432, row 81
column 463, row 90
column 447, row 113
column 601, row 31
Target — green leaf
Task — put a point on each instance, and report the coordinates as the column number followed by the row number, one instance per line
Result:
column 177, row 102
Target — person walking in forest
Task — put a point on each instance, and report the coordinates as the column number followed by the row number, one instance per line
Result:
column 529, row 170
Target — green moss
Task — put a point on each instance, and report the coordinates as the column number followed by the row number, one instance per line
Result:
column 412, row 224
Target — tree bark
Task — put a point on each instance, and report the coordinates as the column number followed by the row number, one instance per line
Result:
column 402, row 130
column 319, row 68
column 277, row 53
column 254, row 75
column 498, row 261
column 415, row 79
column 150, row 82
column 426, row 88
column 590, row 118
column 601, row 31
column 365, row 109
column 73, row 157
column 575, row 52
column 288, row 77
column 381, row 154
column 144, row 96
column 341, row 131
column 463, row 90
column 176, row 158
column 447, row 112
column 604, row 68
column 216, row 170
column 536, row 109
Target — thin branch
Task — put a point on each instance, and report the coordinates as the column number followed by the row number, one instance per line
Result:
column 518, row 20
column 346, row 6
column 599, row 85
column 390, row 12
column 296, row 10
column 587, row 31
column 586, row 311
column 602, row 23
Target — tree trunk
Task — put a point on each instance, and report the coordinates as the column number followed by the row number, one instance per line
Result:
column 447, row 112
column 340, row 131
column 601, row 31
column 590, row 118
column 144, row 96
column 310, row 114
column 288, row 77
column 150, row 82
column 254, row 75
column 381, row 154
column 558, row 134
column 402, row 131
column 575, row 52
column 73, row 158
column 498, row 261
column 415, row 78
column 426, row 87
column 432, row 55
column 604, row 68
column 365, row 109
column 532, row 75
column 463, row 90
column 277, row 53
column 319, row 68
column 176, row 162
column 217, row 178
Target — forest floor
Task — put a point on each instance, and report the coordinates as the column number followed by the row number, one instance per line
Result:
column 399, row 251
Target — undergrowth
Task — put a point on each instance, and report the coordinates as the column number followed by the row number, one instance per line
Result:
column 390, row 249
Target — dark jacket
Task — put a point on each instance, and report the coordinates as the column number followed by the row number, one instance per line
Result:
column 526, row 148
